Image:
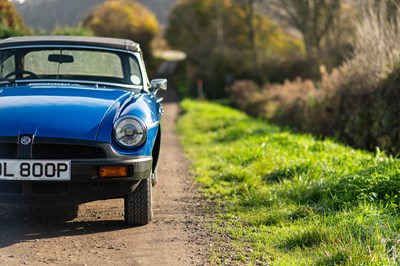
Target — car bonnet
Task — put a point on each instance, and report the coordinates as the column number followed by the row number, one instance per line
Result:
column 56, row 111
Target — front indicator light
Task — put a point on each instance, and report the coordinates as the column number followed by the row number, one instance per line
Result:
column 113, row 171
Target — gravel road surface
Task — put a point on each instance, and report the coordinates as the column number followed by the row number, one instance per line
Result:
column 98, row 236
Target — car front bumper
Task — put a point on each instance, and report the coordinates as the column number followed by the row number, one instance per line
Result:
column 85, row 185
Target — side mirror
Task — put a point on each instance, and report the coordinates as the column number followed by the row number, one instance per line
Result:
column 158, row 84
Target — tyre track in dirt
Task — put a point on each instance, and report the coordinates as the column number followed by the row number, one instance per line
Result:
column 99, row 236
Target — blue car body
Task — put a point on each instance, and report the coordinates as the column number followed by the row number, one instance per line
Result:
column 104, row 126
column 53, row 111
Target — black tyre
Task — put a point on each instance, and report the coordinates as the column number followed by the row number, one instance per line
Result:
column 137, row 204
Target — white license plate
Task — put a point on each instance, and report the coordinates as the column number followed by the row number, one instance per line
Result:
column 42, row 170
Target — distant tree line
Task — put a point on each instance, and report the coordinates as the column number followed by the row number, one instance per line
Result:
column 262, row 40
column 113, row 18
column 124, row 19
column 228, row 39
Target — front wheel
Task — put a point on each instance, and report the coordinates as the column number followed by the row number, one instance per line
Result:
column 137, row 204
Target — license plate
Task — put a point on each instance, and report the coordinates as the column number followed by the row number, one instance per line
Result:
column 42, row 170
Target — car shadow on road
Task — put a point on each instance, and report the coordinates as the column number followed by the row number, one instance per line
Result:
column 24, row 224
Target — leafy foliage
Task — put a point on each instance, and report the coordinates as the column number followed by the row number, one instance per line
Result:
column 72, row 31
column 45, row 15
column 216, row 40
column 70, row 13
column 289, row 199
column 124, row 19
column 9, row 16
column 11, row 23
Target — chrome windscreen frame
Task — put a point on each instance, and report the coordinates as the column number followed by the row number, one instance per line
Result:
column 138, row 55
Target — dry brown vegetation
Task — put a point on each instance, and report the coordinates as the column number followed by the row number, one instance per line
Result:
column 356, row 103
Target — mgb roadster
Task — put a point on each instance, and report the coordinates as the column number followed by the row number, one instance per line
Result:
column 79, row 122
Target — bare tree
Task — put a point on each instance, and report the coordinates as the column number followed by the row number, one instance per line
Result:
column 313, row 18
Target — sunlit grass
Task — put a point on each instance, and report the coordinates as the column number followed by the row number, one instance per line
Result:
column 288, row 199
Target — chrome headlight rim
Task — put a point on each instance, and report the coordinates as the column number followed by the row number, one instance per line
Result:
column 142, row 125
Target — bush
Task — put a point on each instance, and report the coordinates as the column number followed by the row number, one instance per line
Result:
column 366, row 95
column 6, row 32
column 247, row 96
column 72, row 31
column 124, row 19
column 356, row 103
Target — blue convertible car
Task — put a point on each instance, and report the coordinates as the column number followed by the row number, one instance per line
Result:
column 79, row 121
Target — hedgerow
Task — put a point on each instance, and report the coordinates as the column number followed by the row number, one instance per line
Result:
column 356, row 103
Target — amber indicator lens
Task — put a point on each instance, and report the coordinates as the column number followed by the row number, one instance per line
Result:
column 113, row 171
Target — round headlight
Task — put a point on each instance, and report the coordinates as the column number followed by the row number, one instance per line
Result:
column 129, row 132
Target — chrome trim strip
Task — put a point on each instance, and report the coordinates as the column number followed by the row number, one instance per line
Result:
column 64, row 82
column 153, row 125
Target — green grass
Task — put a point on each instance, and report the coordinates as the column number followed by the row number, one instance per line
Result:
column 290, row 199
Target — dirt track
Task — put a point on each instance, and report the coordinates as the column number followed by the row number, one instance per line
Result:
column 98, row 236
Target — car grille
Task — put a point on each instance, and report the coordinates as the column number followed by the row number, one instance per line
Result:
column 63, row 151
column 8, row 150
column 54, row 151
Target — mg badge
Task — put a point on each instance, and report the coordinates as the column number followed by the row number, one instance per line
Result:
column 25, row 140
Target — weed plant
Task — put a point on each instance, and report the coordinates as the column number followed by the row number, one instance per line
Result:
column 291, row 199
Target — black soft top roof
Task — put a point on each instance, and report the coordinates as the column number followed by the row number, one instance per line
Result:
column 71, row 40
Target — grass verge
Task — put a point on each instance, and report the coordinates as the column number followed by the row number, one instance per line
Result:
column 286, row 199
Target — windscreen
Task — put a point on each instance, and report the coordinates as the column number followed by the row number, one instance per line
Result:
column 70, row 64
